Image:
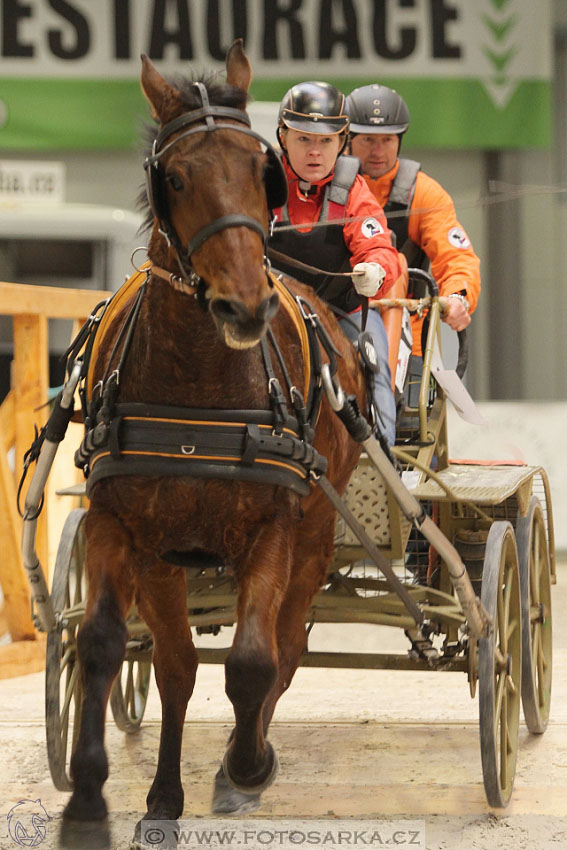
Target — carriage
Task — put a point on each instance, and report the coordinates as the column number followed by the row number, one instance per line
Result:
column 458, row 555
column 499, row 520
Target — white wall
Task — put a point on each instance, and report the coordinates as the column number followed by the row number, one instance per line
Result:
column 524, row 432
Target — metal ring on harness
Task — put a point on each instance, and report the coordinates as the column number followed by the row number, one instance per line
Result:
column 133, row 254
column 332, row 387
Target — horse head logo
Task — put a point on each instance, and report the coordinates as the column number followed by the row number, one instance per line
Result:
column 26, row 823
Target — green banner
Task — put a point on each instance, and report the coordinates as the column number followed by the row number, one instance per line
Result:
column 45, row 115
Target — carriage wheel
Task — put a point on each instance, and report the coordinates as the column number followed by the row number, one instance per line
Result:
column 129, row 693
column 63, row 689
column 535, row 582
column 500, row 665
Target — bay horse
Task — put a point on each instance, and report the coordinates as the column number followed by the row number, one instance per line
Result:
column 196, row 343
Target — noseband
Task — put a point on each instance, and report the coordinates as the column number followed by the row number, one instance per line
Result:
column 155, row 179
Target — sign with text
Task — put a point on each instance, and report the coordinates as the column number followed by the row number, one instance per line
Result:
column 474, row 74
column 32, row 182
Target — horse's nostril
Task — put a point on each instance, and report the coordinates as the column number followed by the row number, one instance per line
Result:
column 227, row 310
column 268, row 308
column 234, row 312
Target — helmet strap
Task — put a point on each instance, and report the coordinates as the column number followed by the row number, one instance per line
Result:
column 344, row 144
column 303, row 184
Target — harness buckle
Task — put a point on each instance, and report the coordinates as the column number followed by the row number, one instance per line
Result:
column 278, row 404
column 307, row 317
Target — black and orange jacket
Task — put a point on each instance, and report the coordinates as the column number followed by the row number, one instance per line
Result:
column 364, row 235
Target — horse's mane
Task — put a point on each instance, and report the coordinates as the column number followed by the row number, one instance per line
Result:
column 220, row 94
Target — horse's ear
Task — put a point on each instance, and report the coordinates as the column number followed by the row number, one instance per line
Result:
column 238, row 68
column 162, row 97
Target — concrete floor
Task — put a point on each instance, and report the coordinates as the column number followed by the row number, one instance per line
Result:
column 368, row 745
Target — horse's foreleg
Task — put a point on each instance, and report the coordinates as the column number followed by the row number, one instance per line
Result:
column 291, row 636
column 250, row 763
column 312, row 555
column 163, row 604
column 101, row 645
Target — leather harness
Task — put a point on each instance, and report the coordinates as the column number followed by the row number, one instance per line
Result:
column 271, row 446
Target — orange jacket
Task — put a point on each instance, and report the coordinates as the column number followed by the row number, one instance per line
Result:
column 433, row 225
column 366, row 244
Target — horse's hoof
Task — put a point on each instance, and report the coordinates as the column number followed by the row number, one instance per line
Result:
column 88, row 835
column 78, row 811
column 261, row 786
column 228, row 801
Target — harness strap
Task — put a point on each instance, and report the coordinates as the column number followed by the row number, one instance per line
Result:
column 86, row 334
column 307, row 429
column 222, row 223
column 289, row 301
column 239, row 445
column 179, row 283
column 277, row 398
column 185, row 438
column 119, row 299
column 126, row 333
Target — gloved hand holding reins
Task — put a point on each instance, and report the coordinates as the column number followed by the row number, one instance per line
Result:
column 370, row 281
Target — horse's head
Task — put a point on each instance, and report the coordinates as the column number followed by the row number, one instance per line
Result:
column 210, row 187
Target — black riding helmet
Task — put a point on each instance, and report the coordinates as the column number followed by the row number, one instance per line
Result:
column 377, row 109
column 314, row 107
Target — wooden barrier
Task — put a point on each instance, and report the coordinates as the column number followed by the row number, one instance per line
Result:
column 25, row 406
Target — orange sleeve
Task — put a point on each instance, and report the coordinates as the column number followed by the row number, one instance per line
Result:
column 368, row 237
column 433, row 225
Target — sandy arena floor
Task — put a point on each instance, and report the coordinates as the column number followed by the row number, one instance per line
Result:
column 371, row 746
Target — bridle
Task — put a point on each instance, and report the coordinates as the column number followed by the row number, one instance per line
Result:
column 275, row 180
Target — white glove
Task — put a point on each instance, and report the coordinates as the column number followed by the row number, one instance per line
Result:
column 370, row 282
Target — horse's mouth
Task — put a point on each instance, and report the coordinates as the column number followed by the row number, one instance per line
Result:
column 239, row 341
column 239, row 326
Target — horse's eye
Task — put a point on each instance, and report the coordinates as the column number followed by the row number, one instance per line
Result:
column 175, row 182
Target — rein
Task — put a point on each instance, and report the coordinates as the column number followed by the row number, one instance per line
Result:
column 284, row 258
column 277, row 255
